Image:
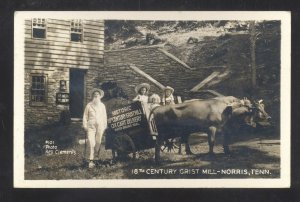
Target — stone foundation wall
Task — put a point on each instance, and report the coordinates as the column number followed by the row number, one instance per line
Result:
column 155, row 63
column 49, row 112
column 125, row 78
column 92, row 80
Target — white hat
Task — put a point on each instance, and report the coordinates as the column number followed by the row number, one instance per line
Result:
column 98, row 90
column 142, row 85
column 169, row 88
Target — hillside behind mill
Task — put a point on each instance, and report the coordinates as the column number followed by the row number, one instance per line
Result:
column 212, row 45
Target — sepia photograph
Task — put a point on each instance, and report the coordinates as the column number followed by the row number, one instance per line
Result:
column 152, row 99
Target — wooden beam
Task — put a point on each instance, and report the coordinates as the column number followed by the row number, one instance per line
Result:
column 205, row 81
column 175, row 58
column 147, row 76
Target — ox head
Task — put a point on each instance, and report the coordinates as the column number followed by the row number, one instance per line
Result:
column 239, row 115
column 248, row 113
column 259, row 113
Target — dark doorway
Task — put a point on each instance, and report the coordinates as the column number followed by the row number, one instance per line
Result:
column 76, row 92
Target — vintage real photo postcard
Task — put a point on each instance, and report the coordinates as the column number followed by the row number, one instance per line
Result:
column 152, row 99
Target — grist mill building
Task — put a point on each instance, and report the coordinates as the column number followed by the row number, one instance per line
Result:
column 62, row 60
column 65, row 60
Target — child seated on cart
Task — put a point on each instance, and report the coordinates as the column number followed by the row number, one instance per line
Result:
column 142, row 91
column 168, row 97
column 154, row 101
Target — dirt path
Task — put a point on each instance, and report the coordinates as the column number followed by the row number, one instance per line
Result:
column 252, row 156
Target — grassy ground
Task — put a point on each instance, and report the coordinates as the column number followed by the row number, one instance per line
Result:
column 249, row 151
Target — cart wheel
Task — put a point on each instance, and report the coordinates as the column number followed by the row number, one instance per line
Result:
column 171, row 145
column 124, row 146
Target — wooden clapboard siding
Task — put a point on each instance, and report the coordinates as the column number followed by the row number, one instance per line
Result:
column 63, row 50
column 27, row 22
column 93, row 35
column 60, row 35
column 28, row 30
column 91, row 39
column 85, row 53
column 62, row 61
column 93, row 32
column 88, row 40
column 80, row 57
column 50, row 38
column 65, row 35
column 56, row 30
column 58, row 51
column 58, row 26
column 94, row 22
column 87, row 36
column 36, row 69
column 91, row 27
column 56, row 64
column 91, row 23
column 61, row 45
column 59, row 21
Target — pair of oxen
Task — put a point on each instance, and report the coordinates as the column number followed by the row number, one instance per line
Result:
column 218, row 115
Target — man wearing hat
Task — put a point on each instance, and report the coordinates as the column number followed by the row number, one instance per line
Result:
column 167, row 97
column 95, row 123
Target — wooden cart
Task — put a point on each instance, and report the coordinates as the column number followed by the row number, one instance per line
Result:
column 130, row 130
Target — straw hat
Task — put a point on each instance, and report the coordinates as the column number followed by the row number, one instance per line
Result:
column 99, row 91
column 142, row 85
column 169, row 88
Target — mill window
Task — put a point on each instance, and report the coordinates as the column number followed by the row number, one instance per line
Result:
column 38, row 89
column 39, row 28
column 76, row 30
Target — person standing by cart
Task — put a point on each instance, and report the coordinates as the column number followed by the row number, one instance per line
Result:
column 95, row 123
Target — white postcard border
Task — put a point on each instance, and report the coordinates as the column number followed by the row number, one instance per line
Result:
column 285, row 147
